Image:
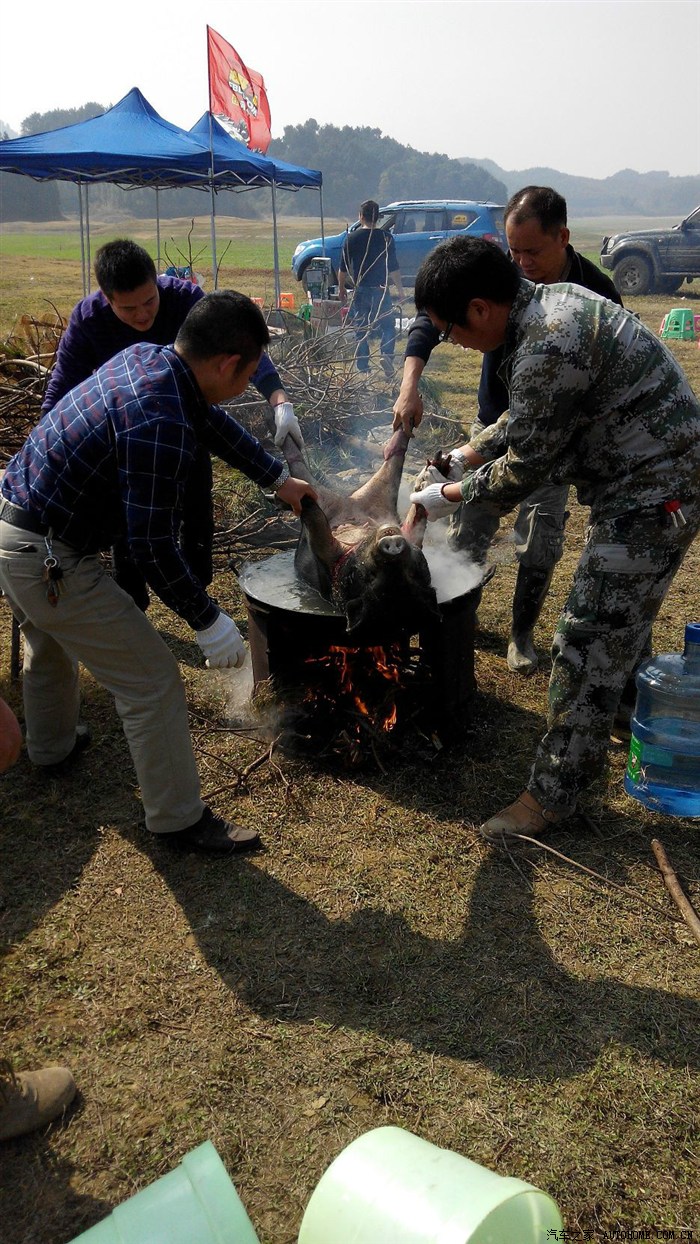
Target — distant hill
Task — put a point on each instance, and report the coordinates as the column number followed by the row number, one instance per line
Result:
column 625, row 193
column 361, row 163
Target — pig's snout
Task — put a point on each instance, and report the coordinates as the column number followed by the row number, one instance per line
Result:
column 391, row 541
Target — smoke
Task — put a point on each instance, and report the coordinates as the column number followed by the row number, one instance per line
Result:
column 263, row 716
column 452, row 573
column 239, row 685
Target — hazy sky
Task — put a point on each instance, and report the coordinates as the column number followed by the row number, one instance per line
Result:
column 581, row 86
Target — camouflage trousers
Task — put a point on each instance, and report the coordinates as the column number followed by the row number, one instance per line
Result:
column 538, row 528
column 624, row 573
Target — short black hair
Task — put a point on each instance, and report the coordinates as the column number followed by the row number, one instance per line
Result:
column 459, row 270
column 122, row 266
column 369, row 210
column 539, row 203
column 223, row 322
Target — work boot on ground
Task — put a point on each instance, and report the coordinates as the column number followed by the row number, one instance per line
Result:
column 525, row 816
column 531, row 587
column 214, row 835
column 32, row 1099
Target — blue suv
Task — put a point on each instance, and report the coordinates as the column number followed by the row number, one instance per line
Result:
column 417, row 227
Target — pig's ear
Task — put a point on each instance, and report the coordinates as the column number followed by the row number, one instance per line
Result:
column 355, row 613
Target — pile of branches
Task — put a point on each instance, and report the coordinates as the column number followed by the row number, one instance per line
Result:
column 25, row 361
column 345, row 416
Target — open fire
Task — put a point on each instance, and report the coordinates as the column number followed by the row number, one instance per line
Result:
column 335, row 699
column 361, row 681
column 358, row 702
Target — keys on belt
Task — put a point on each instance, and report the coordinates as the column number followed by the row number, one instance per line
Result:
column 52, row 574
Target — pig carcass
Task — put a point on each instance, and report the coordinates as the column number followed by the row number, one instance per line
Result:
column 356, row 553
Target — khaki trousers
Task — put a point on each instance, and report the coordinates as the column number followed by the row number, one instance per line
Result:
column 98, row 624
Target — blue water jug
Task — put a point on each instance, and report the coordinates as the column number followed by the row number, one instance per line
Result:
column 663, row 770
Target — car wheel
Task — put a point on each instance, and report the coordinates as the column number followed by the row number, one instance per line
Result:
column 633, row 275
column 669, row 284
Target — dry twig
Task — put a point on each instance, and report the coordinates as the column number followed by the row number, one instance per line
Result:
column 673, row 886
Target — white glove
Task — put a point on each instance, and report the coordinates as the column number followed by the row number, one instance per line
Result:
column 433, row 502
column 458, row 465
column 221, row 644
column 287, row 424
column 433, row 475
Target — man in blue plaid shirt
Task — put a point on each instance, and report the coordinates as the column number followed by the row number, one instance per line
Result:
column 110, row 461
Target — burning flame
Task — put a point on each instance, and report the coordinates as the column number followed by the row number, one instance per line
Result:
column 358, row 672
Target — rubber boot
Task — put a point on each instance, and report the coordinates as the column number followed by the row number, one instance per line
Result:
column 531, row 587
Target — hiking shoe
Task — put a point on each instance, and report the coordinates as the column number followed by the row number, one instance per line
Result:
column 387, row 365
column 519, row 818
column 32, row 1098
column 212, row 834
column 83, row 739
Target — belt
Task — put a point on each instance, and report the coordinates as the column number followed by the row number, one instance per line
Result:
column 17, row 517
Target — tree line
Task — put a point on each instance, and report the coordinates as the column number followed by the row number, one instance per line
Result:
column 357, row 163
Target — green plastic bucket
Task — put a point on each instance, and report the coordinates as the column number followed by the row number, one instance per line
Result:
column 194, row 1204
column 390, row 1187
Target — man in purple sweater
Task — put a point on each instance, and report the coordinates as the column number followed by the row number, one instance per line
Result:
column 112, row 460
column 131, row 306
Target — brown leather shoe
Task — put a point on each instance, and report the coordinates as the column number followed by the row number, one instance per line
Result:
column 212, row 834
column 32, row 1098
column 525, row 816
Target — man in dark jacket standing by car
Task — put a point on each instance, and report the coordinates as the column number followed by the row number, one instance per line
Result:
column 538, row 240
column 369, row 259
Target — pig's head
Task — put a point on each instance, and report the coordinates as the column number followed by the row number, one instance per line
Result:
column 383, row 585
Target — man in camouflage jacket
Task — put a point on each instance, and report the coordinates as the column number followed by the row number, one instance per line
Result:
column 597, row 401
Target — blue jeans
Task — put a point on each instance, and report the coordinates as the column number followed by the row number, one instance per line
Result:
column 372, row 315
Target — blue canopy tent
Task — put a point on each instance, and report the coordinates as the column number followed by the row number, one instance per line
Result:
column 132, row 145
column 129, row 145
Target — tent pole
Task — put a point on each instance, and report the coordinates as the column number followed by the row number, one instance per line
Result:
column 87, row 235
column 82, row 238
column 157, row 229
column 323, row 227
column 275, row 248
column 213, row 233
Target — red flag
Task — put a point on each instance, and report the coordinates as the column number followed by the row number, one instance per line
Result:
column 237, row 95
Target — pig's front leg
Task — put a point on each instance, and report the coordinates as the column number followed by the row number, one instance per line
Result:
column 318, row 550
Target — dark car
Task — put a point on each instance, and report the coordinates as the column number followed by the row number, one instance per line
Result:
column 417, row 227
column 654, row 261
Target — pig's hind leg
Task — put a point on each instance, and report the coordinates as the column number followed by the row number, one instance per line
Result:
column 378, row 499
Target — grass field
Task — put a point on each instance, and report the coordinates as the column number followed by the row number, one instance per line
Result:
column 377, row 964
column 244, row 252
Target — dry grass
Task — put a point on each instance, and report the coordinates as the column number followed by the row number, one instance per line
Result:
column 377, row 964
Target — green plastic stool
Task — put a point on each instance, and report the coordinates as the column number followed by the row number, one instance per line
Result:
column 195, row 1203
column 678, row 323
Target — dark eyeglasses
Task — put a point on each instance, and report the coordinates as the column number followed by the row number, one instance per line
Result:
column 445, row 334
